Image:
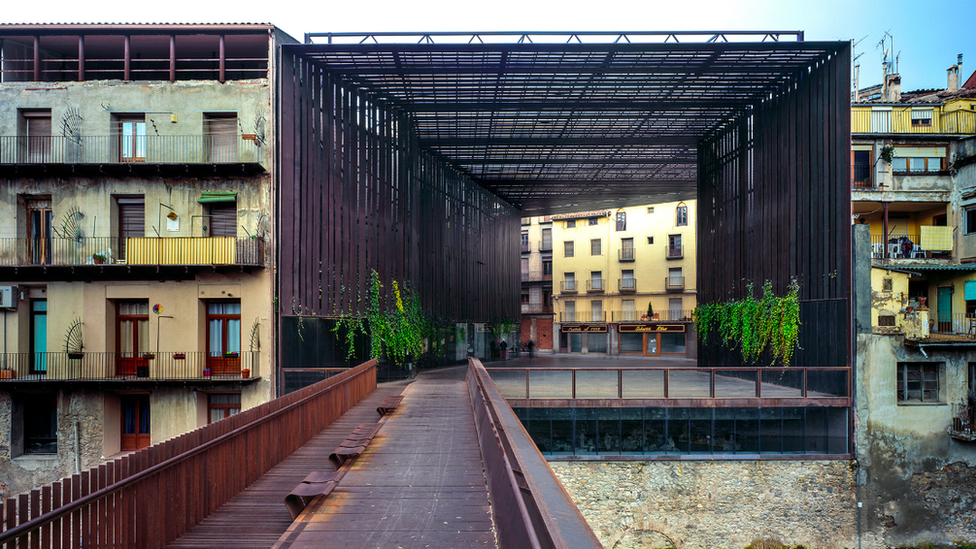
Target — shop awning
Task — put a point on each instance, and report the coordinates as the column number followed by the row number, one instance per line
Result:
column 210, row 197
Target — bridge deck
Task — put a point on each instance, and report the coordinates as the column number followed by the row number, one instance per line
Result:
column 420, row 483
column 257, row 517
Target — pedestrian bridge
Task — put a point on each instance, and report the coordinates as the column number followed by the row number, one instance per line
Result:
column 450, row 467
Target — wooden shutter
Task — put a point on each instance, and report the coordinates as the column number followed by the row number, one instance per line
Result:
column 223, row 219
column 132, row 221
column 222, row 134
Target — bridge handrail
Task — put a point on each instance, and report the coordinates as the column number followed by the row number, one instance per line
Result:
column 181, row 469
column 518, row 474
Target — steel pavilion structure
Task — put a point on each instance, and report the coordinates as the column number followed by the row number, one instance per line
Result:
column 408, row 150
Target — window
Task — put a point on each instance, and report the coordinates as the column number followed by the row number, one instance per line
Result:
column 525, row 242
column 628, row 312
column 220, row 136
column 650, row 209
column 627, row 281
column 132, row 221
column 525, row 298
column 525, row 268
column 224, row 337
column 569, row 282
column 568, row 249
column 681, row 215
column 40, row 421
column 596, row 247
column 919, row 381
column 594, row 221
column 220, row 406
column 674, row 308
column 675, row 277
column 132, row 338
column 886, row 319
column 546, row 240
column 131, row 129
column 621, row 220
column 971, row 221
column 37, row 130
column 914, row 164
column 672, row 342
column 596, row 281
column 674, row 246
column 596, row 311
column 546, row 267
column 626, row 249
column 887, row 283
column 861, row 167
column 922, row 117
column 40, row 233
column 223, row 219
column 571, row 224
column 570, row 315
column 650, row 240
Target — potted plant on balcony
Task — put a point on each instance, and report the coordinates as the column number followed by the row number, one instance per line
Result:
column 98, row 259
column 7, row 373
column 245, row 373
column 232, row 354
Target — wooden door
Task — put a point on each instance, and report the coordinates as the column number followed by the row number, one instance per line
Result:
column 135, row 422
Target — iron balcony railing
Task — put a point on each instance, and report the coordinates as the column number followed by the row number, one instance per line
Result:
column 545, row 245
column 583, row 316
column 794, row 384
column 525, row 248
column 625, row 254
column 905, row 246
column 568, row 287
column 676, row 315
column 147, row 149
column 595, row 285
column 674, row 283
column 901, row 121
column 113, row 250
column 627, row 285
column 677, row 252
column 146, row 366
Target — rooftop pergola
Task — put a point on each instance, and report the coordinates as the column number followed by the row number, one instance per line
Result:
column 555, row 122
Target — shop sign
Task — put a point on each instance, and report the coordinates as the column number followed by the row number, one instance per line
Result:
column 581, row 215
column 585, row 328
column 630, row 328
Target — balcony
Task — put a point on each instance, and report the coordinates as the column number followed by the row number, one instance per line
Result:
column 526, row 248
column 931, row 243
column 583, row 316
column 627, row 285
column 568, row 287
column 676, row 315
column 144, row 153
column 545, row 245
column 900, row 121
column 625, row 254
column 106, row 251
column 674, row 283
column 677, row 252
column 129, row 367
column 595, row 285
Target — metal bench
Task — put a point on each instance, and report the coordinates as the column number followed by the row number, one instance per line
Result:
column 354, row 444
column 389, row 404
column 315, row 484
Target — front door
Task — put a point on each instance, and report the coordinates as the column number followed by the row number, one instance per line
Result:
column 224, row 338
column 945, row 310
column 650, row 345
column 135, row 422
column 39, row 232
column 38, row 337
column 132, row 335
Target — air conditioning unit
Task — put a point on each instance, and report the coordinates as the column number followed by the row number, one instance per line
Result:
column 8, row 297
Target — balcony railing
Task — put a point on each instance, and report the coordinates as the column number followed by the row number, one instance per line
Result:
column 899, row 121
column 907, row 246
column 583, row 316
column 595, row 285
column 525, row 248
column 149, row 149
column 674, row 283
column 149, row 366
column 951, row 326
column 677, row 315
column 111, row 250
column 568, row 287
column 677, row 252
column 627, row 285
column 625, row 254
column 545, row 245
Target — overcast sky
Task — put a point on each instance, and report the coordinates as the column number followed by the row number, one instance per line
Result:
column 927, row 33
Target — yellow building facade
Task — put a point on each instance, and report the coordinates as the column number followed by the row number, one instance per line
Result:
column 624, row 280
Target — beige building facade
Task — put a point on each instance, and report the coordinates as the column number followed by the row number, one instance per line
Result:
column 624, row 281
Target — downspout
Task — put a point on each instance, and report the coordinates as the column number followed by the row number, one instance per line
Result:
column 77, row 447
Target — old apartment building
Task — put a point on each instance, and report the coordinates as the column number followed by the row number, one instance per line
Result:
column 136, row 164
column 626, row 281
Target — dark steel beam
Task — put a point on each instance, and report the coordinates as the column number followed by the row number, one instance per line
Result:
column 556, row 141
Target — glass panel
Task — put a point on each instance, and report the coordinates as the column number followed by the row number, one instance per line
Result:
column 631, row 342
column 575, row 343
column 643, row 383
column 550, row 384
column 679, row 433
column 837, row 431
column 608, row 428
column 142, row 329
column 225, row 399
column 129, row 418
column 144, row 415
column 735, row 383
column 724, row 436
column 127, row 131
column 700, row 429
column 747, row 430
column 140, row 140
column 596, row 343
column 816, row 431
column 672, row 342
column 216, row 414
column 596, row 383
column 689, row 383
column 538, row 427
column 586, row 431
column 631, row 431
column 134, row 308
column 782, row 383
column 771, row 430
column 562, row 430
column 233, row 335
column 39, row 336
column 216, row 333
column 511, row 384
column 126, row 336
column 821, row 383
column 899, row 164
column 651, row 344
column 793, row 430
column 654, row 431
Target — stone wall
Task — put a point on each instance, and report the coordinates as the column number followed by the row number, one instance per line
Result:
column 708, row 504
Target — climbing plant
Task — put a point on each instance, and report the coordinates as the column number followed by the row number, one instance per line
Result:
column 754, row 325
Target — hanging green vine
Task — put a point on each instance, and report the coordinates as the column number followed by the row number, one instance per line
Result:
column 402, row 332
column 753, row 325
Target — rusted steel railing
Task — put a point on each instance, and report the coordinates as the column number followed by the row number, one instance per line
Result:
column 130, row 367
column 150, row 498
column 520, row 479
column 791, row 386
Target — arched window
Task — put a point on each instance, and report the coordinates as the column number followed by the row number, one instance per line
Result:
column 681, row 215
column 621, row 220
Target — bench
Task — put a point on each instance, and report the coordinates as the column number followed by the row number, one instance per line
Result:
column 354, row 444
column 388, row 405
column 315, row 484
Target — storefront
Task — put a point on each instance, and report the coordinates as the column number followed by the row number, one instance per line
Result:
column 652, row 339
column 584, row 338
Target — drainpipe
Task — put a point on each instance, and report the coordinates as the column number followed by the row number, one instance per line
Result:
column 77, row 447
column 884, row 231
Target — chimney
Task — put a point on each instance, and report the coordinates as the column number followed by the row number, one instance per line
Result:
column 892, row 88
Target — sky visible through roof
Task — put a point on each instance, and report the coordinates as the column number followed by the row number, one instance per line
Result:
column 928, row 33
